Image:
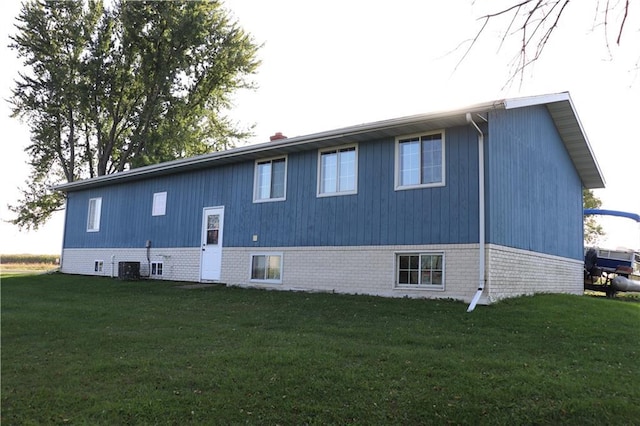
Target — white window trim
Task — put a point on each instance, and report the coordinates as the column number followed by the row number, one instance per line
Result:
column 397, row 185
column 255, row 179
column 419, row 287
column 319, row 174
column 253, row 280
column 98, row 266
column 96, row 216
column 159, row 207
column 156, row 264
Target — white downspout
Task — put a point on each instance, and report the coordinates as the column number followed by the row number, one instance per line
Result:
column 481, row 236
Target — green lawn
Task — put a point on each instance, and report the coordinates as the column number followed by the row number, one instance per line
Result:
column 80, row 350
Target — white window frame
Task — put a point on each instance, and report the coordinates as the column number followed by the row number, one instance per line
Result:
column 265, row 281
column 97, row 212
column 428, row 287
column 398, row 171
column 98, row 266
column 319, row 192
column 159, row 207
column 157, row 269
column 256, row 199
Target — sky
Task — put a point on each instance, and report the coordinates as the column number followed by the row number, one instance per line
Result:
column 335, row 63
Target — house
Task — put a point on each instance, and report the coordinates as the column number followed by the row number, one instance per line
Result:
column 477, row 204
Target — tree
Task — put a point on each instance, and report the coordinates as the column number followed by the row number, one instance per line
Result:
column 533, row 22
column 592, row 230
column 123, row 85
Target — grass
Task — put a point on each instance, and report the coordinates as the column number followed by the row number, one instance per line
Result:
column 80, row 350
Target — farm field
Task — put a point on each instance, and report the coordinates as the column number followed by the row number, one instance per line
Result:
column 26, row 264
column 86, row 350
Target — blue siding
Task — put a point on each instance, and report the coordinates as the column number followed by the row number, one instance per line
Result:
column 376, row 215
column 534, row 199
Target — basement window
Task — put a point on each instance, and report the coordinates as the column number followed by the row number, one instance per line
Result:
column 420, row 270
column 266, row 268
column 156, row 269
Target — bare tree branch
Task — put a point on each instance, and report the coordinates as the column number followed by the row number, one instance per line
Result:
column 473, row 42
column 534, row 22
column 624, row 19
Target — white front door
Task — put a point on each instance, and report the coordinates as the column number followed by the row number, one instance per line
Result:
column 211, row 258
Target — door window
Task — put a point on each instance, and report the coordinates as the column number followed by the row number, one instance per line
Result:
column 213, row 229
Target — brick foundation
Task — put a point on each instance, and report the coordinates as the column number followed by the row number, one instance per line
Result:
column 513, row 272
column 356, row 270
column 180, row 264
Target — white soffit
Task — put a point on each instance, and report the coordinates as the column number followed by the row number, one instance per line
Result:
column 559, row 105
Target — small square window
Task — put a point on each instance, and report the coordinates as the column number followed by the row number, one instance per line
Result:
column 156, row 268
column 159, row 204
column 266, row 267
column 420, row 161
column 98, row 266
column 420, row 270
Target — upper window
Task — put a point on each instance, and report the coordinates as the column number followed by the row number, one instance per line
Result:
column 159, row 204
column 338, row 171
column 420, row 270
column 270, row 180
column 420, row 161
column 93, row 215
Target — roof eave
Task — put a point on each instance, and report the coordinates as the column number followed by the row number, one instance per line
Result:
column 395, row 127
column 559, row 105
column 566, row 120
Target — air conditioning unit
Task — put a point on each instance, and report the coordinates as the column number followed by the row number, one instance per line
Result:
column 129, row 270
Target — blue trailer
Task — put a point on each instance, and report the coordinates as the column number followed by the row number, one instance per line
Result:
column 611, row 271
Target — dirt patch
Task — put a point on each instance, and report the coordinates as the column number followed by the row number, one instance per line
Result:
column 194, row 286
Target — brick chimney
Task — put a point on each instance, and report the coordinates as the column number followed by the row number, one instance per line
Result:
column 277, row 136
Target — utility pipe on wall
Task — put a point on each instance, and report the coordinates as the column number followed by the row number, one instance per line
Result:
column 481, row 236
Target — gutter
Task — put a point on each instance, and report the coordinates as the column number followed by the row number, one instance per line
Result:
column 559, row 105
column 481, row 211
column 409, row 124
